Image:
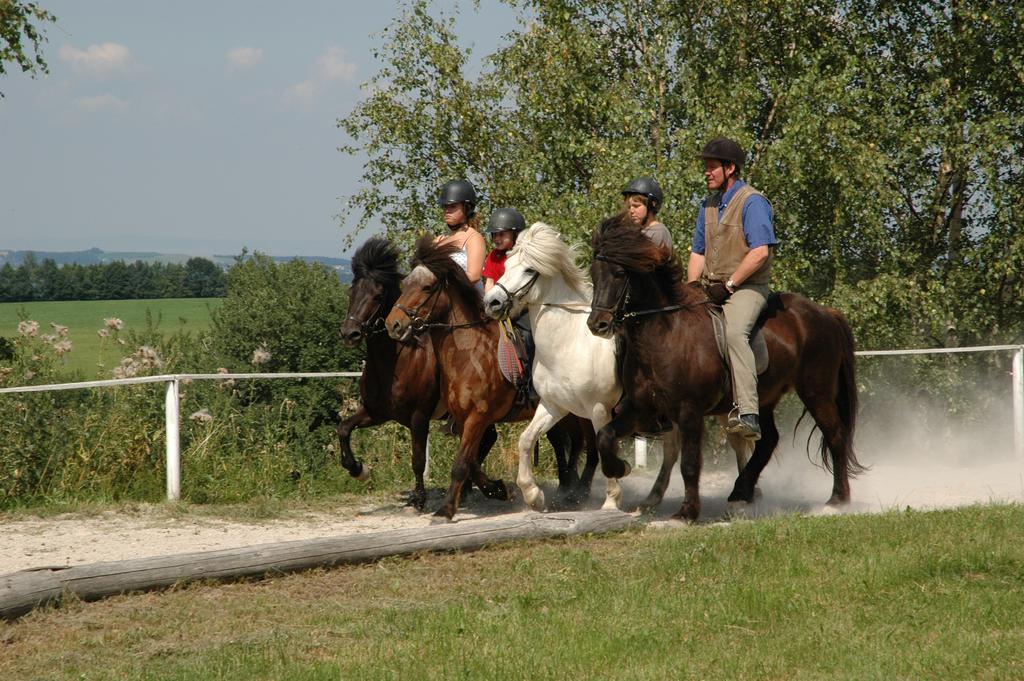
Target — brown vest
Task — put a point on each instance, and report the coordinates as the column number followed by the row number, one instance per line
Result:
column 725, row 244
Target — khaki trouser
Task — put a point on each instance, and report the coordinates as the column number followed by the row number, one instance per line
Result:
column 741, row 312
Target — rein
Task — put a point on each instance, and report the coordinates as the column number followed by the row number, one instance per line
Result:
column 619, row 315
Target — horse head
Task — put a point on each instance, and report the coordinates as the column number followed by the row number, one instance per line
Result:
column 435, row 285
column 628, row 271
column 539, row 258
column 374, row 289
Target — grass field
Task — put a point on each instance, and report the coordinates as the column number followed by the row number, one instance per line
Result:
column 84, row 318
column 896, row 596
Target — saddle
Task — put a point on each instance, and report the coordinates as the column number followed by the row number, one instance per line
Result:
column 515, row 355
column 757, row 342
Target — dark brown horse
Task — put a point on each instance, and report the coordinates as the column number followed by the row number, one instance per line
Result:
column 400, row 381
column 672, row 367
column 438, row 300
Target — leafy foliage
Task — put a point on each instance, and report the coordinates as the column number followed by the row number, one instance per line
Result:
column 17, row 30
column 888, row 136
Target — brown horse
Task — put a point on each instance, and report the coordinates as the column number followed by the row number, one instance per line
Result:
column 400, row 381
column 672, row 367
column 438, row 299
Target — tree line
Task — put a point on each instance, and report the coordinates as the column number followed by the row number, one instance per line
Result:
column 888, row 135
column 118, row 280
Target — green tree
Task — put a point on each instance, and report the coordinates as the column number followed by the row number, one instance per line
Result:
column 888, row 136
column 204, row 279
column 20, row 38
column 285, row 318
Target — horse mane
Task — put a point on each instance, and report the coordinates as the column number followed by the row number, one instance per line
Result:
column 377, row 259
column 617, row 240
column 543, row 248
column 438, row 259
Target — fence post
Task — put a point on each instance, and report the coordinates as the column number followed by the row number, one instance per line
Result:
column 1018, row 403
column 640, row 451
column 426, row 463
column 173, row 441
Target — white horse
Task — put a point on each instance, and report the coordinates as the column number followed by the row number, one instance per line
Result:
column 573, row 370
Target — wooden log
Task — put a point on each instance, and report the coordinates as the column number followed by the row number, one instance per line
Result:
column 22, row 591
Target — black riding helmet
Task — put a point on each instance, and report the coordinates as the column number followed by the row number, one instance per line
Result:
column 725, row 150
column 458, row 191
column 648, row 188
column 506, row 219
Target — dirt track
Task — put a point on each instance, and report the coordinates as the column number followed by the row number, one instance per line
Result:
column 790, row 484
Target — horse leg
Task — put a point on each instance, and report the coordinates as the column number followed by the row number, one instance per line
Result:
column 691, row 434
column 612, row 466
column 589, row 443
column 419, row 427
column 741, row 446
column 543, row 420
column 562, row 443
column 464, row 464
column 361, row 419
column 835, row 436
column 745, row 489
column 670, row 449
column 492, row 489
column 486, row 444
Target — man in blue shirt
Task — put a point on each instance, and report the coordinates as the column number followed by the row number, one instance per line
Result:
column 731, row 256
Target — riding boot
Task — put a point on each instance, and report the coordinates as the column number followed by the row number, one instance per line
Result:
column 745, row 425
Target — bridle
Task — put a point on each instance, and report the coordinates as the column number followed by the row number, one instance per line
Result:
column 374, row 323
column 619, row 315
column 420, row 324
column 517, row 295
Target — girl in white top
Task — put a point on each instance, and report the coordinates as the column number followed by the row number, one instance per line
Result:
column 458, row 198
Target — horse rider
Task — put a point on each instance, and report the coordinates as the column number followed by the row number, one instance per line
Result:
column 731, row 256
column 642, row 198
column 503, row 226
column 458, row 199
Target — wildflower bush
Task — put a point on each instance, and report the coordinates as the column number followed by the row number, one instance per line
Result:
column 240, row 439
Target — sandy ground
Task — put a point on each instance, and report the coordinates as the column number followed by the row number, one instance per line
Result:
column 960, row 475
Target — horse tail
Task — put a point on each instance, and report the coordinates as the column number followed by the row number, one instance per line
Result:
column 846, row 399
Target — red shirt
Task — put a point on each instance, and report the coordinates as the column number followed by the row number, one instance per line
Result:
column 494, row 265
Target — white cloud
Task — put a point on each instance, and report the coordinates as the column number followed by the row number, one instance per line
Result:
column 101, row 103
column 244, row 58
column 334, row 65
column 98, row 60
column 302, row 94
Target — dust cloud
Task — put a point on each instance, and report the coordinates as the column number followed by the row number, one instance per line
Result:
column 919, row 455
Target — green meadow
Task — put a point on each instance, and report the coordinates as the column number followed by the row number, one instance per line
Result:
column 84, row 319
column 937, row 595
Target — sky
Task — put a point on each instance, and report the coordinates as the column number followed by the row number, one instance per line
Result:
column 196, row 127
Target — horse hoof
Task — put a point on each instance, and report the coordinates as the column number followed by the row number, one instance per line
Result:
column 757, row 493
column 440, row 519
column 738, row 509
column 647, row 508
column 364, row 474
column 610, row 505
column 829, row 509
column 535, row 500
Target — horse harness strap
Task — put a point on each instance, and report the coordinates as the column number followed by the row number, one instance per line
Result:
column 656, row 310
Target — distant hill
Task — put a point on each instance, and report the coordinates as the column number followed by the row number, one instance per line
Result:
column 96, row 256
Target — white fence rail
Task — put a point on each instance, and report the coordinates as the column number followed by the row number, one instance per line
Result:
column 171, row 405
column 173, row 381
